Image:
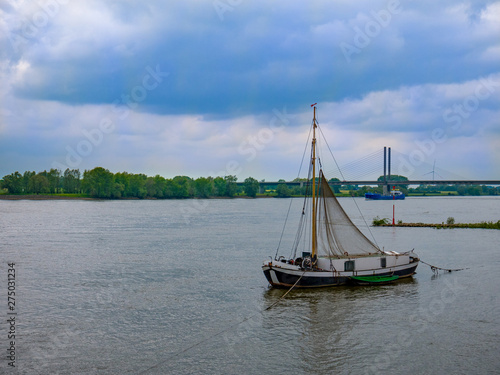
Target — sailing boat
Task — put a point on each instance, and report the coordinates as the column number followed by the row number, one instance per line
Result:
column 339, row 252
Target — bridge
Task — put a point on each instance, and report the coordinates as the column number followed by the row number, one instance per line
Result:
column 386, row 182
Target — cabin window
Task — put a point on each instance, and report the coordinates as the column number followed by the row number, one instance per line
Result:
column 349, row 265
column 383, row 262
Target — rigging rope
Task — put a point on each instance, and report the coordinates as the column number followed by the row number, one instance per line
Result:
column 291, row 200
column 302, row 231
column 283, row 230
column 223, row 331
column 422, row 169
column 436, row 269
column 354, row 200
column 368, row 165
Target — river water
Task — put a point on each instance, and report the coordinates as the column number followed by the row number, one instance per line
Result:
column 176, row 287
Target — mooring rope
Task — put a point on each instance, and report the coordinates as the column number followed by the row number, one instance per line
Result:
column 220, row 332
column 436, row 269
column 288, row 291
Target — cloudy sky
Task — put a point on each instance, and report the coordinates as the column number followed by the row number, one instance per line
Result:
column 220, row 87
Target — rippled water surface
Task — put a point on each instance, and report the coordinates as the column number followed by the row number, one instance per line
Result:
column 160, row 287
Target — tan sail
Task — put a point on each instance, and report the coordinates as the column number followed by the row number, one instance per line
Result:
column 337, row 236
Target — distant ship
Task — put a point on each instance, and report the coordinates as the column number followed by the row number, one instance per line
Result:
column 394, row 194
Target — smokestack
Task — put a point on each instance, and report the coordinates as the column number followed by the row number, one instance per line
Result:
column 385, row 162
column 389, row 166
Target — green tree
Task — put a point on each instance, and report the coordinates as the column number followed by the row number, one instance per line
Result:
column 123, row 178
column 160, row 185
column 117, row 190
column 231, row 187
column 461, row 190
column 282, row 191
column 155, row 186
column 54, row 178
column 203, row 187
column 395, row 177
column 168, row 190
column 335, row 187
column 137, row 186
column 181, row 186
column 300, row 190
column 26, row 181
column 71, row 181
column 362, row 191
column 13, row 183
column 219, row 187
column 474, row 190
column 251, row 186
column 39, row 184
column 98, row 183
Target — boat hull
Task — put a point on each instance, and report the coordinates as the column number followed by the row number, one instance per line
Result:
column 285, row 276
column 375, row 196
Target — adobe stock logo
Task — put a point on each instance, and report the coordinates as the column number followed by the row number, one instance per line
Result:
column 453, row 117
column 373, row 27
column 223, row 6
column 94, row 137
column 249, row 148
column 28, row 28
column 471, row 103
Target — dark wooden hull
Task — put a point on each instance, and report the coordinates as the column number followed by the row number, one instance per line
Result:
column 283, row 278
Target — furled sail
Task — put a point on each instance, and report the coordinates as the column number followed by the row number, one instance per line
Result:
column 337, row 236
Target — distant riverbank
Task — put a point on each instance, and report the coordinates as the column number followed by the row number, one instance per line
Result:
column 482, row 225
column 44, row 197
column 267, row 195
column 41, row 197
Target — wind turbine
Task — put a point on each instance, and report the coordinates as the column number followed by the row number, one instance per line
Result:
column 433, row 171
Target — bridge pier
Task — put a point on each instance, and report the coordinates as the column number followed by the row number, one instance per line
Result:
column 387, row 177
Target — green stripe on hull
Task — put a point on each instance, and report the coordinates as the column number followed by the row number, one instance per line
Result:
column 374, row 279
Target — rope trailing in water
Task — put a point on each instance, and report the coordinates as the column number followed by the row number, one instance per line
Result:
column 436, row 269
column 288, row 291
column 220, row 332
column 174, row 355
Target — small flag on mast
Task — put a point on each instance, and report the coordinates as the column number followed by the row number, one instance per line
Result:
column 312, row 105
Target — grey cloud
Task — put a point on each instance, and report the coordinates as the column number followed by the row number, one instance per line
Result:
column 257, row 58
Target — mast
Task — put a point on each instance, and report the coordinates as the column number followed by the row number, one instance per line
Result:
column 314, row 237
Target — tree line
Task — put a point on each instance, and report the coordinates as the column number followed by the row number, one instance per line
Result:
column 461, row 190
column 101, row 183
column 50, row 182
